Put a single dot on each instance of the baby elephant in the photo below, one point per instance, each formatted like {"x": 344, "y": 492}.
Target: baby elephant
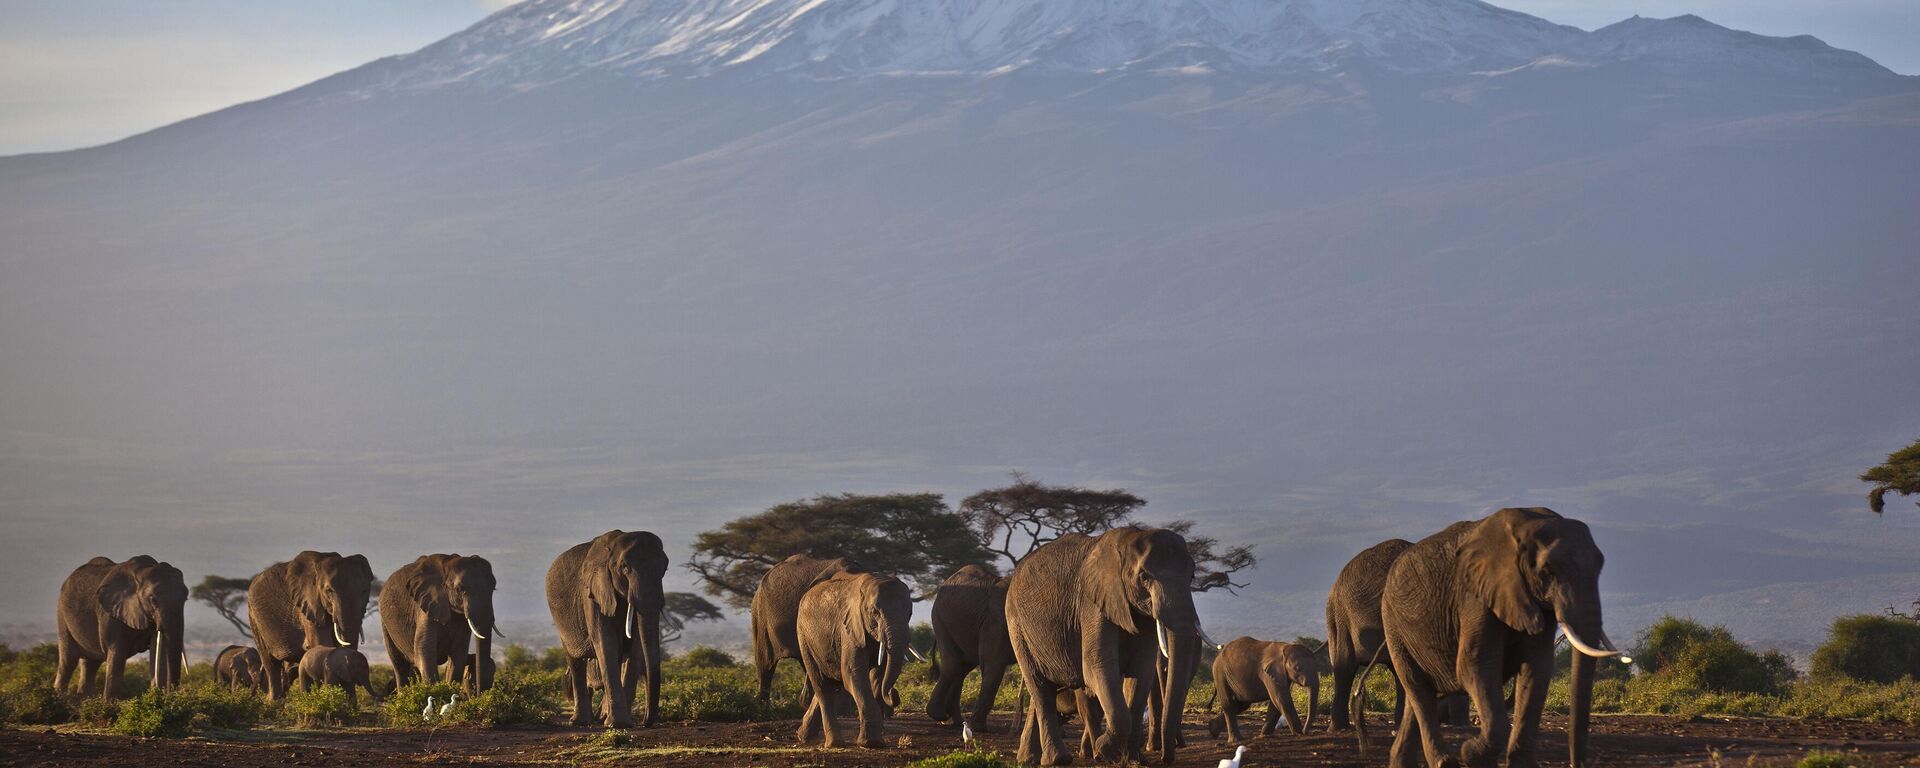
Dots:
{"x": 238, "y": 667}
{"x": 853, "y": 637}
{"x": 1250, "y": 671}
{"x": 344, "y": 667}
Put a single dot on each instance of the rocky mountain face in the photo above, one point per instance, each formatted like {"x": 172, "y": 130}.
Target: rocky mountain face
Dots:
{"x": 1315, "y": 273}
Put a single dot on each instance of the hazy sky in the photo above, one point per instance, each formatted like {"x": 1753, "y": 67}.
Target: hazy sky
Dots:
{"x": 81, "y": 72}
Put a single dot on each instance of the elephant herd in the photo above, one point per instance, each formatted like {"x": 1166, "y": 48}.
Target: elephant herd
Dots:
{"x": 1101, "y": 626}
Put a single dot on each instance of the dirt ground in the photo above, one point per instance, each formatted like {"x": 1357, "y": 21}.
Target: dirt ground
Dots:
{"x": 1618, "y": 742}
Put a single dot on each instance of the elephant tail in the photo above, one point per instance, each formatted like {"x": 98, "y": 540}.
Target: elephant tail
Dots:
{"x": 1213, "y": 693}
{"x": 1360, "y": 700}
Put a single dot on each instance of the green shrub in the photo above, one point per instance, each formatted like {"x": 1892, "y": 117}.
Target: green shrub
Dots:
{"x": 516, "y": 698}
{"x": 720, "y": 694}
{"x": 403, "y": 707}
{"x": 1822, "y": 759}
{"x": 611, "y": 738}
{"x": 321, "y": 706}
{"x": 96, "y": 712}
{"x": 1723, "y": 665}
{"x": 153, "y": 714}
{"x": 174, "y": 712}
{"x": 1879, "y": 649}
{"x": 33, "y": 705}
{"x": 704, "y": 656}
{"x": 963, "y": 759}
{"x": 1662, "y": 642}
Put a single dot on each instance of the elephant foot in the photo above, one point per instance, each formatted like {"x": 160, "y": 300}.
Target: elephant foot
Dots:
{"x": 582, "y": 721}
{"x": 1478, "y": 753}
{"x": 1107, "y": 748}
{"x": 867, "y": 742}
{"x": 1522, "y": 759}
{"x": 1213, "y": 728}
{"x": 1057, "y": 758}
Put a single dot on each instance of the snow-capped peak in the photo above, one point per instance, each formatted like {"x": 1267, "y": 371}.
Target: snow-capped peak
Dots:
{"x": 540, "y": 41}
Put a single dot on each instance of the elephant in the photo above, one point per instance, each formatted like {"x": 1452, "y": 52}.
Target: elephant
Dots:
{"x": 853, "y": 636}
{"x": 428, "y": 608}
{"x": 1475, "y": 605}
{"x": 969, "y": 631}
{"x": 109, "y": 611}
{"x": 344, "y": 667}
{"x": 776, "y": 610}
{"x": 238, "y": 667}
{"x": 1250, "y": 671}
{"x": 316, "y": 599}
{"x": 1353, "y": 625}
{"x": 606, "y": 598}
{"x": 1089, "y": 612}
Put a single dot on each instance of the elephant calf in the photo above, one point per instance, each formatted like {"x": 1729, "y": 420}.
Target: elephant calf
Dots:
{"x": 238, "y": 667}
{"x": 1250, "y": 671}
{"x": 853, "y": 636}
{"x": 344, "y": 667}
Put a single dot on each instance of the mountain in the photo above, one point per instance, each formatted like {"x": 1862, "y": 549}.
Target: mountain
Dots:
{"x": 1314, "y": 274}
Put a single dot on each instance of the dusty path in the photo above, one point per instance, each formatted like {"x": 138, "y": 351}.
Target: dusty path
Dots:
{"x": 1618, "y": 741}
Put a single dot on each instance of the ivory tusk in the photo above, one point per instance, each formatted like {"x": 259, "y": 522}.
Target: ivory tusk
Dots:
{"x": 1605, "y": 649}
{"x": 340, "y": 638}
{"x": 916, "y": 654}
{"x": 629, "y": 622}
{"x": 1160, "y": 635}
{"x": 476, "y": 630}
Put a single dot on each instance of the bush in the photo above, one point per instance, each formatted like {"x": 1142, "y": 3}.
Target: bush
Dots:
{"x": 97, "y": 712}
{"x": 1822, "y": 759}
{"x": 721, "y": 694}
{"x": 173, "y": 713}
{"x": 33, "y": 705}
{"x": 1879, "y": 649}
{"x": 323, "y": 705}
{"x": 403, "y": 707}
{"x": 1662, "y": 642}
{"x": 520, "y": 657}
{"x": 704, "y": 656}
{"x": 963, "y": 759}
{"x": 516, "y": 698}
{"x": 1723, "y": 665}
{"x": 151, "y": 714}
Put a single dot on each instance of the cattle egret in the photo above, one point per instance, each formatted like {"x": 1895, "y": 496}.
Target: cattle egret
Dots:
{"x": 966, "y": 733}
{"x": 448, "y": 707}
{"x": 426, "y": 712}
{"x": 1238, "y": 753}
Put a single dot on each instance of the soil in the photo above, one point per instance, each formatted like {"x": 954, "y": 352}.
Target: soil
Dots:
{"x": 1618, "y": 741}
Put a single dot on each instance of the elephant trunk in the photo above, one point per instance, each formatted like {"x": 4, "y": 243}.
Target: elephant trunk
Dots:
{"x": 1581, "y": 705}
{"x": 1313, "y": 700}
{"x": 480, "y": 624}
{"x": 1182, "y": 660}
{"x": 1579, "y": 614}
{"x": 893, "y": 652}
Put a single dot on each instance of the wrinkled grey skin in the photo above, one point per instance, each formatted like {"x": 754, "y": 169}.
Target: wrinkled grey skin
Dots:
{"x": 969, "y": 619}
{"x": 1354, "y": 635}
{"x": 606, "y": 597}
{"x": 110, "y": 611}
{"x": 1250, "y": 671}
{"x": 1475, "y": 605}
{"x": 853, "y": 637}
{"x": 429, "y": 609}
{"x": 1084, "y": 612}
{"x": 315, "y": 600}
{"x": 776, "y": 610}
{"x": 238, "y": 667}
{"x": 344, "y": 667}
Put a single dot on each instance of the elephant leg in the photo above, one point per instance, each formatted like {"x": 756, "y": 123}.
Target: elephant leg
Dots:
{"x": 1342, "y": 697}
{"x": 867, "y": 708}
{"x": 582, "y": 695}
{"x": 1230, "y": 717}
{"x": 89, "y": 677}
{"x": 1421, "y": 718}
{"x": 116, "y": 669}
{"x": 1090, "y": 718}
{"x": 616, "y": 702}
{"x": 1483, "y": 680}
{"x": 1279, "y": 700}
{"x": 1406, "y": 736}
{"x": 991, "y": 675}
{"x": 1029, "y": 742}
{"x": 809, "y": 723}
{"x": 69, "y": 658}
{"x": 1044, "y": 723}
{"x": 1138, "y": 694}
{"x": 1102, "y": 669}
{"x": 1530, "y": 699}
{"x": 1270, "y": 721}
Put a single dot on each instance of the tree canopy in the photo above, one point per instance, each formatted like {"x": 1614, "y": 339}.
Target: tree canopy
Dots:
{"x": 1015, "y": 520}
{"x": 1900, "y": 474}
{"x": 227, "y": 596}
{"x": 913, "y": 536}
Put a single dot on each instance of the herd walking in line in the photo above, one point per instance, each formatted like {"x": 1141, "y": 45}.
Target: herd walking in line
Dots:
{"x": 1102, "y": 627}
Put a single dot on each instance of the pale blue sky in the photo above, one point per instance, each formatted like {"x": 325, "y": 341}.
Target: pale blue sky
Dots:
{"x": 75, "y": 73}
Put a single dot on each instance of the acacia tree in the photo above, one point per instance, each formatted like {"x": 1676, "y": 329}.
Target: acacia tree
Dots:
{"x": 227, "y": 596}
{"x": 1015, "y": 520}
{"x": 913, "y": 536}
{"x": 683, "y": 608}
{"x": 1900, "y": 474}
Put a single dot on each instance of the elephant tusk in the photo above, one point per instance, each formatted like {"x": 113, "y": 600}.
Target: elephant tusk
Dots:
{"x": 916, "y": 654}
{"x": 1604, "y": 650}
{"x": 629, "y": 622}
{"x": 1208, "y": 640}
{"x": 476, "y": 630}
{"x": 340, "y": 638}
{"x": 879, "y": 654}
{"x": 1160, "y": 635}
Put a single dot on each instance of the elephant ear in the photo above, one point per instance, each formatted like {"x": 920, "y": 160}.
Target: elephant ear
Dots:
{"x": 1110, "y": 570}
{"x": 360, "y": 566}
{"x": 602, "y": 562}
{"x": 120, "y": 596}
{"x": 429, "y": 590}
{"x": 1492, "y": 559}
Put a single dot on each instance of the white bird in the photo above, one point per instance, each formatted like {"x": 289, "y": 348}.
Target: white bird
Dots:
{"x": 426, "y": 712}
{"x": 966, "y": 733}
{"x": 1235, "y": 762}
{"x": 448, "y": 707}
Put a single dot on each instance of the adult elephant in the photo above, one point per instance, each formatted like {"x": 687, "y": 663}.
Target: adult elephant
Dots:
{"x": 1092, "y": 612}
{"x": 853, "y": 634}
{"x": 238, "y": 667}
{"x": 1250, "y": 671}
{"x": 606, "y": 599}
{"x": 110, "y": 611}
{"x": 1354, "y": 634}
{"x": 969, "y": 618}
{"x": 776, "y": 610}
{"x": 1475, "y": 605}
{"x": 316, "y": 599}
{"x": 428, "y": 608}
